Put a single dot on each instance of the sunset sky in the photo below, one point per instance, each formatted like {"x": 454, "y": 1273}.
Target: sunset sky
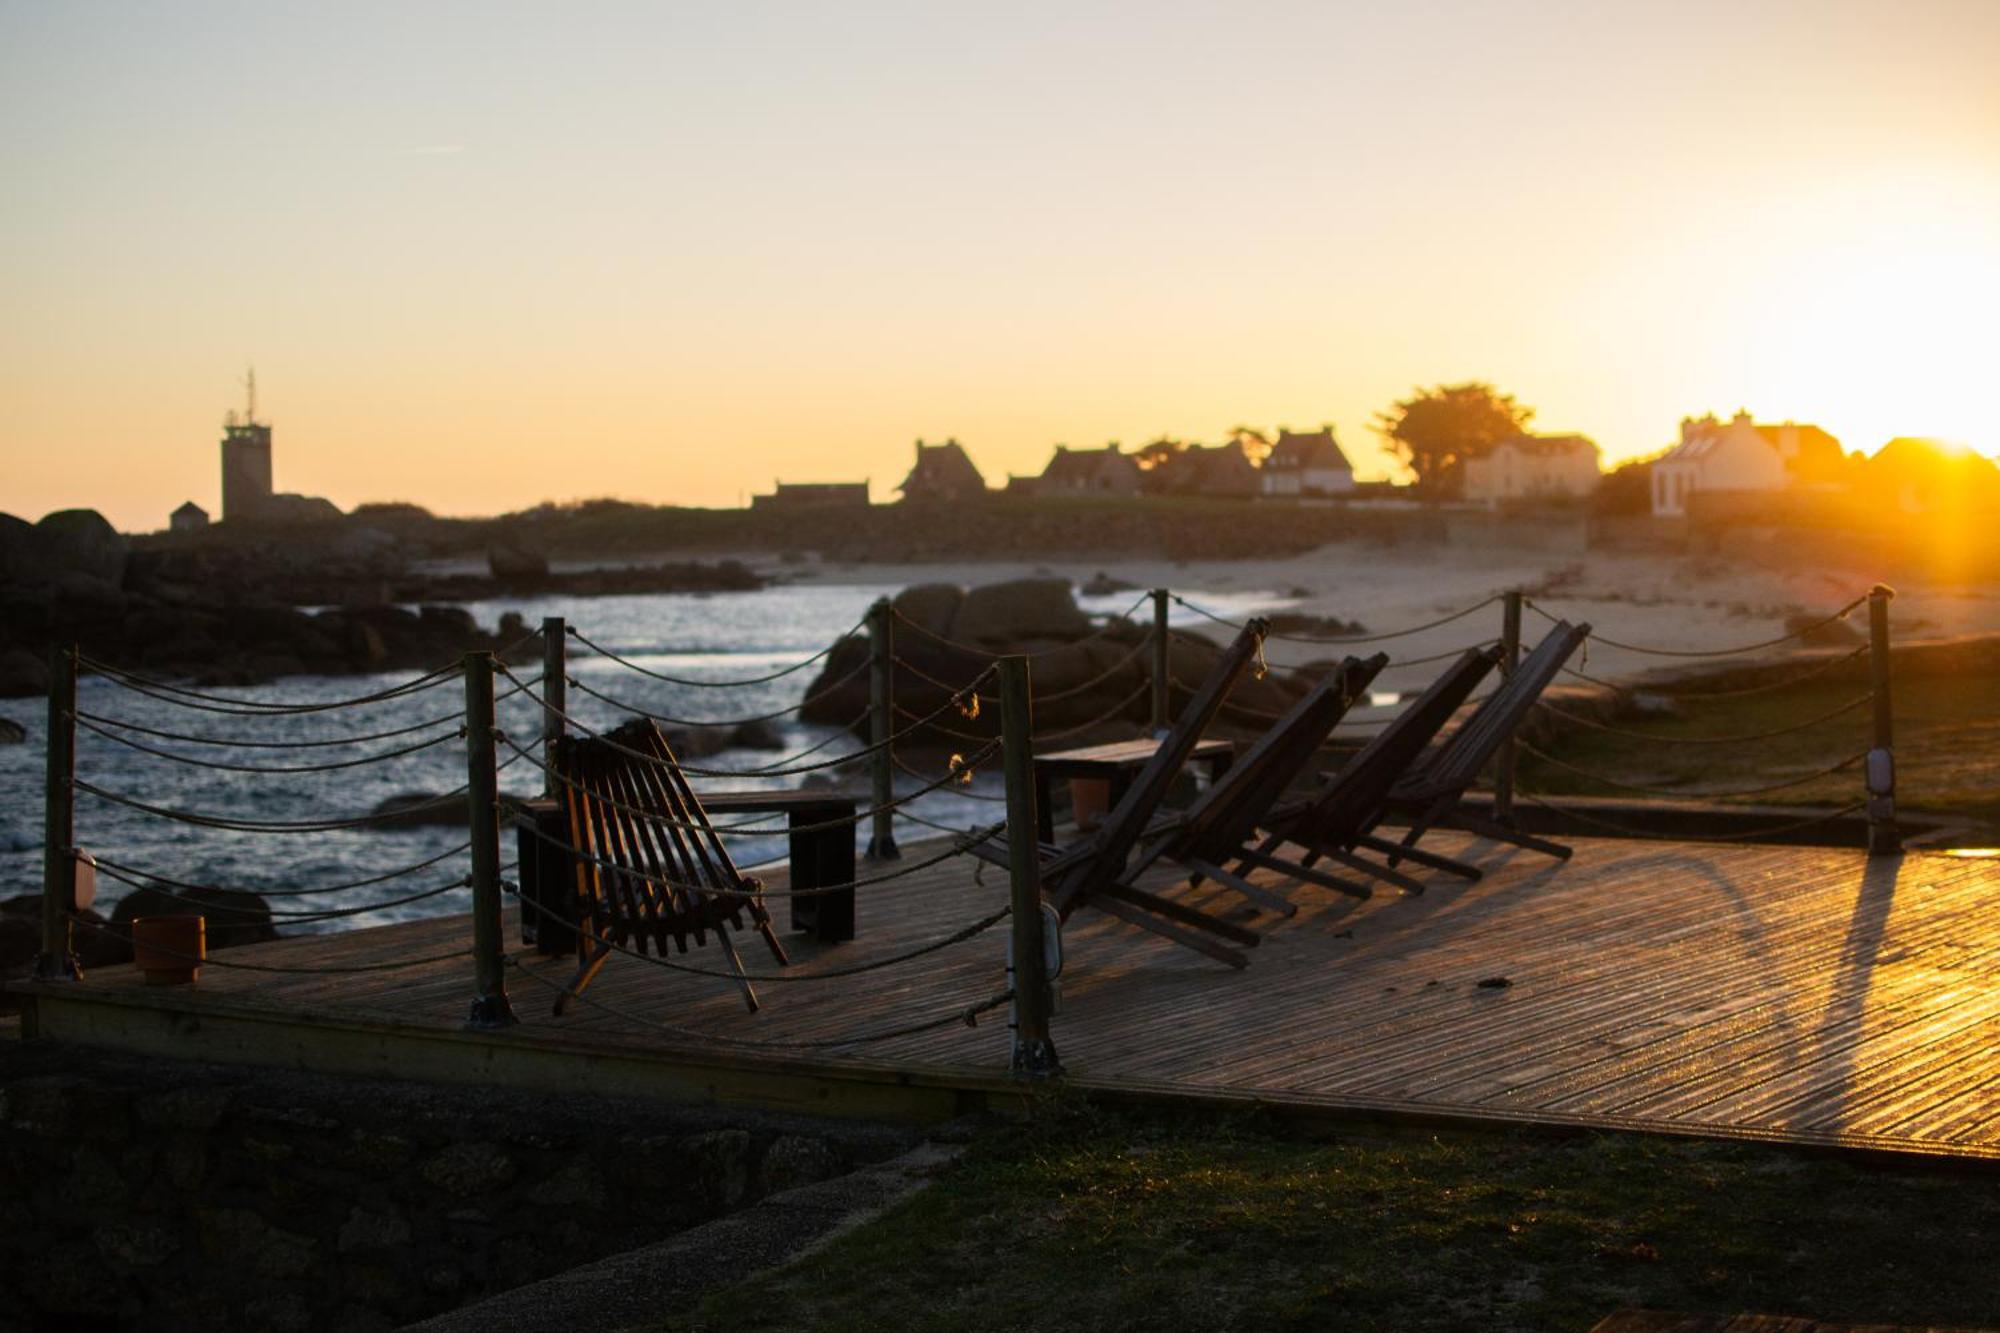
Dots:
{"x": 483, "y": 255}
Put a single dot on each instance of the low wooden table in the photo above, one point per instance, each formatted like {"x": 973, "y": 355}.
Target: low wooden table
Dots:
{"x": 819, "y": 856}
{"x": 1116, "y": 763}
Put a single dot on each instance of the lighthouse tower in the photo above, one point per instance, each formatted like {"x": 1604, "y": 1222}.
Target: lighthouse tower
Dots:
{"x": 246, "y": 461}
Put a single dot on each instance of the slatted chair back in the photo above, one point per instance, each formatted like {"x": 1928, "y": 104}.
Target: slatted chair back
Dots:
{"x": 653, "y": 869}
{"x": 1099, "y": 860}
{"x": 1228, "y": 813}
{"x": 1456, "y": 762}
{"x": 1351, "y": 800}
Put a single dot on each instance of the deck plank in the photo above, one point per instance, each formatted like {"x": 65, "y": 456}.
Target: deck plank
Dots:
{"x": 1787, "y": 991}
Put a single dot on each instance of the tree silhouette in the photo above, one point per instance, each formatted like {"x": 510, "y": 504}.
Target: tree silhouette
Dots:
{"x": 1256, "y": 445}
{"x": 1157, "y": 454}
{"x": 1435, "y": 430}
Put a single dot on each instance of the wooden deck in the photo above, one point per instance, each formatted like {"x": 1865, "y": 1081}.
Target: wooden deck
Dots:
{"x": 1806, "y": 995}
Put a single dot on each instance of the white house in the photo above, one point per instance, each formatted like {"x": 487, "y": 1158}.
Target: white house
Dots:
{"x": 1532, "y": 467}
{"x": 1714, "y": 456}
{"x": 1307, "y": 463}
{"x": 190, "y": 517}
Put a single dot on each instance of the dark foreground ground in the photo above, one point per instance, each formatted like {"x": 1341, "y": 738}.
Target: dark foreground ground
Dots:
{"x": 1085, "y": 1220}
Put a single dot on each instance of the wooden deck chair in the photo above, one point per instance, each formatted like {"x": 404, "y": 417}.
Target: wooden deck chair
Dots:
{"x": 654, "y": 869}
{"x": 1091, "y": 869}
{"x": 1437, "y": 785}
{"x": 1328, "y": 824}
{"x": 1212, "y": 831}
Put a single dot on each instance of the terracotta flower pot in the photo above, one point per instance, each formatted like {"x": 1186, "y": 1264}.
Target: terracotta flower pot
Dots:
{"x": 169, "y": 949}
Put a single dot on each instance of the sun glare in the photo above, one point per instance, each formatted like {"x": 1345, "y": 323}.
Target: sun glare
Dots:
{"x": 1889, "y": 336}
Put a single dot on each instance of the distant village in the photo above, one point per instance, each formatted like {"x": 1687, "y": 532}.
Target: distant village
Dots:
{"x": 1718, "y": 470}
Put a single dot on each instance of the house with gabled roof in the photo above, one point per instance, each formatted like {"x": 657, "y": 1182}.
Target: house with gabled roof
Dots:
{"x": 943, "y": 472}
{"x": 1716, "y": 456}
{"x": 1088, "y": 472}
{"x": 1306, "y": 463}
{"x": 1532, "y": 467}
{"x": 1215, "y": 470}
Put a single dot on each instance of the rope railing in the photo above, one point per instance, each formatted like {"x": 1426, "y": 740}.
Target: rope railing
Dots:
{"x": 369, "y": 882}
{"x": 1111, "y": 714}
{"x": 961, "y": 775}
{"x": 453, "y": 720}
{"x": 671, "y": 721}
{"x": 1653, "y": 737}
{"x": 1842, "y": 766}
{"x": 965, "y": 839}
{"x": 1736, "y": 651}
{"x": 795, "y": 667}
{"x": 200, "y": 820}
{"x": 1116, "y": 623}
{"x": 628, "y": 752}
{"x": 1403, "y": 633}
{"x": 333, "y": 766}
{"x": 1053, "y": 696}
{"x": 1681, "y": 692}
{"x": 746, "y": 830}
{"x": 241, "y": 707}
{"x": 286, "y": 914}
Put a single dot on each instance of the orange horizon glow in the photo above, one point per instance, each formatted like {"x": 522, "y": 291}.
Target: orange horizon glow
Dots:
{"x": 483, "y": 257}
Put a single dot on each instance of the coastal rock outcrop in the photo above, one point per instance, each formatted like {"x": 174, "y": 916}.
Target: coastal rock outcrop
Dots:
{"x": 1091, "y": 681}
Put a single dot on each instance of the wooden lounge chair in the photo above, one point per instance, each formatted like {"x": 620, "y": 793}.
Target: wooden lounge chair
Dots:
{"x": 1212, "y": 831}
{"x": 1436, "y": 786}
{"x": 1092, "y": 869}
{"x": 1341, "y": 815}
{"x": 653, "y": 868}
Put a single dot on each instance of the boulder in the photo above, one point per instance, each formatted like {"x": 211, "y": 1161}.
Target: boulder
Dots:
{"x": 757, "y": 736}
{"x": 1001, "y": 613}
{"x": 930, "y": 606}
{"x": 22, "y": 674}
{"x": 20, "y": 548}
{"x": 80, "y": 541}
{"x": 512, "y": 560}
{"x": 12, "y": 732}
{"x": 1103, "y": 585}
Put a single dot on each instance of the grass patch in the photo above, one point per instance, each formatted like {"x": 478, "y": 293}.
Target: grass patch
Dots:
{"x": 1084, "y": 1220}
{"x": 1947, "y": 747}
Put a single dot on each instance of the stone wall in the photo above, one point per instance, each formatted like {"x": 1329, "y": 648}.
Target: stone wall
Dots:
{"x": 163, "y": 1196}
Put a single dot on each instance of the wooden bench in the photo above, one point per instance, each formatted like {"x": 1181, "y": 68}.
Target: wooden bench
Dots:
{"x": 1116, "y": 763}
{"x": 819, "y": 856}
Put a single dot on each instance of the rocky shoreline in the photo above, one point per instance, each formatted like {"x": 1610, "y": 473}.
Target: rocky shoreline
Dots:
{"x": 234, "y": 610}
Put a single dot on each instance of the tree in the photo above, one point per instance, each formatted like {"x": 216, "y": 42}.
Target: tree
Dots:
{"x": 1256, "y": 445}
{"x": 1435, "y": 430}
{"x": 1157, "y": 454}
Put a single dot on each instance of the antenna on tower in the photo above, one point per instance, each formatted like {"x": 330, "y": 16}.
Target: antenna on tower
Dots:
{"x": 250, "y": 385}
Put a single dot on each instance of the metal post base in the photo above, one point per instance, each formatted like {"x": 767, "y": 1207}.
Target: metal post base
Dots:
{"x": 57, "y": 967}
{"x": 1036, "y": 1059}
{"x": 882, "y": 847}
{"x": 490, "y": 1013}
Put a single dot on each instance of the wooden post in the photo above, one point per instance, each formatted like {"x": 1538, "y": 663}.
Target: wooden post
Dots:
{"x": 57, "y": 959}
{"x": 1161, "y": 642}
{"x": 1510, "y": 658}
{"x": 555, "y": 693}
{"x": 881, "y": 726}
{"x": 1034, "y": 1052}
{"x": 490, "y": 1009}
{"x": 1880, "y": 767}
